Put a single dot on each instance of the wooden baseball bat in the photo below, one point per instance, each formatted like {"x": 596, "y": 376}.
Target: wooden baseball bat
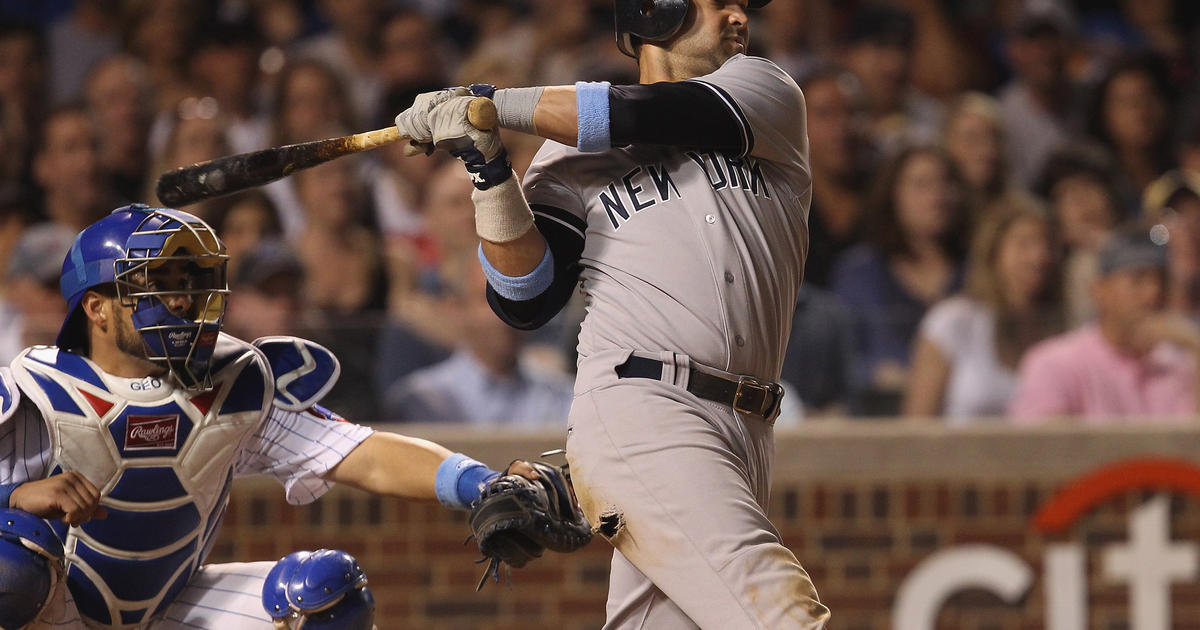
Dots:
{"x": 230, "y": 174}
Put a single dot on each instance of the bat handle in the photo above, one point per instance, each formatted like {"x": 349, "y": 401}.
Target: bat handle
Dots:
{"x": 481, "y": 113}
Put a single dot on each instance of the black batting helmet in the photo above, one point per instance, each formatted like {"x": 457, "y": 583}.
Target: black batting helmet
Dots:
{"x": 653, "y": 20}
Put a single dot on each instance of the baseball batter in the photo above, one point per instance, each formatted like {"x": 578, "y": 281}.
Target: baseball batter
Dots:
{"x": 127, "y": 436}
{"x": 680, "y": 205}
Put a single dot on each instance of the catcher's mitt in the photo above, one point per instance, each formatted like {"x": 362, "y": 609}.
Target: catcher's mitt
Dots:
{"x": 516, "y": 519}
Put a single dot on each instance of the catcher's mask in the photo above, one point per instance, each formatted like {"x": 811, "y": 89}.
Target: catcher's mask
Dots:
{"x": 169, "y": 268}
{"x": 653, "y": 20}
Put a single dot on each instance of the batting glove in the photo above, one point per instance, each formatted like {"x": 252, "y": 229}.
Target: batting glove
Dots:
{"x": 413, "y": 123}
{"x": 481, "y": 150}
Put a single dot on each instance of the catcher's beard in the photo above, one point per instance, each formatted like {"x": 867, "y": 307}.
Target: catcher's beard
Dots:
{"x": 131, "y": 343}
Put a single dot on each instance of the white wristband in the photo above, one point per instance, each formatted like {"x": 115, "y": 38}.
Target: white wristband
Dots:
{"x": 501, "y": 212}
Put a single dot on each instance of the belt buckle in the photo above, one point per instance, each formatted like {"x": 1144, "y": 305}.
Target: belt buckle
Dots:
{"x": 767, "y": 405}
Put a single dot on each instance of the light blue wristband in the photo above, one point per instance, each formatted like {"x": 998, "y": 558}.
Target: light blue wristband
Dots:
{"x": 460, "y": 480}
{"x": 524, "y": 287}
{"x": 591, "y": 101}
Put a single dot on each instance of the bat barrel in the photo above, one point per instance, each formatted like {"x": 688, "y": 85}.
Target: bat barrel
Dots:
{"x": 225, "y": 175}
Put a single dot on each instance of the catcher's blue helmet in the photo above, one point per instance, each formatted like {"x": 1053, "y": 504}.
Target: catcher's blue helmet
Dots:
{"x": 319, "y": 590}
{"x": 652, "y": 20}
{"x": 30, "y": 566}
{"x": 135, "y": 248}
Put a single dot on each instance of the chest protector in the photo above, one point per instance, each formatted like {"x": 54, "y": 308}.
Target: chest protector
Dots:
{"x": 163, "y": 459}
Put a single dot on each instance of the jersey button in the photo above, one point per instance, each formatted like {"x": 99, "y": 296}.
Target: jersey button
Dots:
{"x": 710, "y": 218}
{"x": 729, "y": 277}
{"x": 739, "y": 341}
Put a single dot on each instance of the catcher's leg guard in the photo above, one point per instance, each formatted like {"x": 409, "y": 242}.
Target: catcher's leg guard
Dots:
{"x": 319, "y": 590}
{"x": 30, "y": 566}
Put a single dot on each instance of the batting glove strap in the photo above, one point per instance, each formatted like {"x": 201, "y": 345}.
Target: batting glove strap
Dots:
{"x": 483, "y": 89}
{"x": 485, "y": 174}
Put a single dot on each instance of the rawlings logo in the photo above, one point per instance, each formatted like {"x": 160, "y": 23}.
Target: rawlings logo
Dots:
{"x": 151, "y": 432}
{"x": 180, "y": 338}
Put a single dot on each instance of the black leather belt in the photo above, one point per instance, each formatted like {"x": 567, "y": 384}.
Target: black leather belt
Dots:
{"x": 745, "y": 393}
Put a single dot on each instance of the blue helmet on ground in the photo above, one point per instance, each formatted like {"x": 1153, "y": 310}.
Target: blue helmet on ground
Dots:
{"x": 30, "y": 566}
{"x": 166, "y": 265}
{"x": 319, "y": 590}
{"x": 652, "y": 20}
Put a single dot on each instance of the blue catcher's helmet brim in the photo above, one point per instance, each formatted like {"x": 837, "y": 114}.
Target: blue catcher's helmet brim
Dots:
{"x": 72, "y": 335}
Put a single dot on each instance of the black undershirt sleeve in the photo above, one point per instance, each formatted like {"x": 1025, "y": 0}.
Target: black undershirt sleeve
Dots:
{"x": 686, "y": 114}
{"x": 563, "y": 232}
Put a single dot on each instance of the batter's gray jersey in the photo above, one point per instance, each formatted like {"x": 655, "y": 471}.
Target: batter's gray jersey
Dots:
{"x": 687, "y": 257}
{"x": 692, "y": 251}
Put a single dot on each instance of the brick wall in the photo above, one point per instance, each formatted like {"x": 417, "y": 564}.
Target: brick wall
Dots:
{"x": 860, "y": 504}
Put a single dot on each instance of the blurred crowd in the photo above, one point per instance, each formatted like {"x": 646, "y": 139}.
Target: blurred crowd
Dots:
{"x": 1005, "y": 217}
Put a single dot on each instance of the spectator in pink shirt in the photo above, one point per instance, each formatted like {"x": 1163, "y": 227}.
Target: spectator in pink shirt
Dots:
{"x": 1136, "y": 362}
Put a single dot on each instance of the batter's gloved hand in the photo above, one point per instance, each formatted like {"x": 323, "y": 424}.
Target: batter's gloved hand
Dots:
{"x": 516, "y": 519}
{"x": 413, "y": 123}
{"x": 480, "y": 149}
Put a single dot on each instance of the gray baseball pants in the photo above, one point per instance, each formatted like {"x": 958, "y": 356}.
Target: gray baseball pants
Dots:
{"x": 680, "y": 486}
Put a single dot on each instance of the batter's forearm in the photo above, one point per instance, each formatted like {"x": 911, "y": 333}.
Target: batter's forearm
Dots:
{"x": 505, "y": 226}
{"x": 518, "y": 257}
{"x": 557, "y": 116}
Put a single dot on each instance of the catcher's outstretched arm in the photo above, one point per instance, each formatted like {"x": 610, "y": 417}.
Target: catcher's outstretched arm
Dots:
{"x": 415, "y": 469}
{"x": 392, "y": 465}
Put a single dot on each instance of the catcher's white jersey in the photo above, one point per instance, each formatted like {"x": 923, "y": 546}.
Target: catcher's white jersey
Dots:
{"x": 163, "y": 459}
